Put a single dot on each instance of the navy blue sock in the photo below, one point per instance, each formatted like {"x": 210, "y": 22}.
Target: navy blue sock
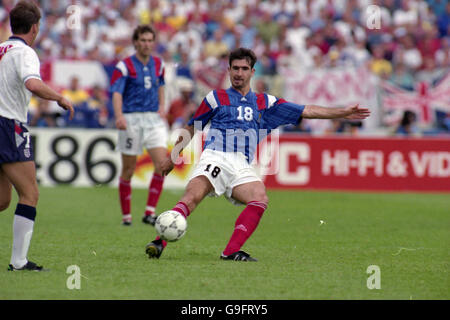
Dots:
{"x": 26, "y": 211}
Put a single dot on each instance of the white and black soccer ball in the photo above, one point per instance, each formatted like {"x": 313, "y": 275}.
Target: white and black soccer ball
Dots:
{"x": 171, "y": 225}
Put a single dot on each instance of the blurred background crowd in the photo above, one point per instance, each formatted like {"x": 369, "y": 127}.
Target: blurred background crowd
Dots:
{"x": 411, "y": 44}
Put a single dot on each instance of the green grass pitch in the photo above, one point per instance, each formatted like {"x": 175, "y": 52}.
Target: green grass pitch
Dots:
{"x": 406, "y": 235}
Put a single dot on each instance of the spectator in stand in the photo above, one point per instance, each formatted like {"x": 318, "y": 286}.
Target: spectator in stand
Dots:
{"x": 74, "y": 93}
{"x": 43, "y": 115}
{"x": 429, "y": 43}
{"x": 406, "y": 16}
{"x": 442, "y": 56}
{"x": 106, "y": 48}
{"x": 216, "y": 47}
{"x": 152, "y": 14}
{"x": 443, "y": 21}
{"x": 97, "y": 101}
{"x": 188, "y": 40}
{"x": 267, "y": 27}
{"x": 5, "y": 30}
{"x": 379, "y": 65}
{"x": 297, "y": 34}
{"x": 288, "y": 61}
{"x": 184, "y": 68}
{"x": 181, "y": 109}
{"x": 260, "y": 85}
{"x": 247, "y": 30}
{"x": 408, "y": 52}
{"x": 437, "y": 6}
{"x": 402, "y": 77}
{"x": 407, "y": 125}
{"x": 173, "y": 17}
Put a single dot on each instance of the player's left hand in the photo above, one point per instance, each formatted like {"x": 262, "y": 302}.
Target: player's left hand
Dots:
{"x": 167, "y": 166}
{"x": 355, "y": 112}
{"x": 66, "y": 105}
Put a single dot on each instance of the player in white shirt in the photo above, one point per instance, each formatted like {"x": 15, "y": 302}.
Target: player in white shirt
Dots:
{"x": 19, "y": 78}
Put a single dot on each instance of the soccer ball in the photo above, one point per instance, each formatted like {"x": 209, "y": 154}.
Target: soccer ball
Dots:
{"x": 171, "y": 225}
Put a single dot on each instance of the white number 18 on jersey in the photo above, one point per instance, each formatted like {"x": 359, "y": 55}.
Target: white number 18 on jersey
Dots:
{"x": 246, "y": 115}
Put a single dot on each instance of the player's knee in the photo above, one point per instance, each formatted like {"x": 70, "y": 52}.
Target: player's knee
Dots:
{"x": 128, "y": 171}
{"x": 158, "y": 167}
{"x": 261, "y": 196}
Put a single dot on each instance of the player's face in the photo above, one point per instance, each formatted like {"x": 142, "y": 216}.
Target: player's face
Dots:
{"x": 240, "y": 73}
{"x": 144, "y": 44}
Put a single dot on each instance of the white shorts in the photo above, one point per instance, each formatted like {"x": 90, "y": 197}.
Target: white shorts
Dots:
{"x": 225, "y": 170}
{"x": 144, "y": 130}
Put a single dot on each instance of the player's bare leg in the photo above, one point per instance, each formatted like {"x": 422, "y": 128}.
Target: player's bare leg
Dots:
{"x": 5, "y": 191}
{"x": 196, "y": 190}
{"x": 254, "y": 195}
{"x": 128, "y": 167}
{"x": 158, "y": 155}
{"x": 22, "y": 176}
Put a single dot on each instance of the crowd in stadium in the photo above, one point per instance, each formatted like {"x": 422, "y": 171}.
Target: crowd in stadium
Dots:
{"x": 411, "y": 44}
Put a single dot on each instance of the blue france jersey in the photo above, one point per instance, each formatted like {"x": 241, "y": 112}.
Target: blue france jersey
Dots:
{"x": 238, "y": 122}
{"x": 138, "y": 83}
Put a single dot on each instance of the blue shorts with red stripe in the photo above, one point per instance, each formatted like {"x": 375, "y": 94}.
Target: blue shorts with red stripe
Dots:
{"x": 15, "y": 142}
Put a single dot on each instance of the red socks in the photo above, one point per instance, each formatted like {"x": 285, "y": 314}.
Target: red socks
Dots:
{"x": 154, "y": 191}
{"x": 125, "y": 197}
{"x": 245, "y": 224}
{"x": 182, "y": 208}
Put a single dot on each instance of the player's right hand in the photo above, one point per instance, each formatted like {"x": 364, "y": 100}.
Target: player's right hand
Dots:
{"x": 121, "y": 123}
{"x": 66, "y": 105}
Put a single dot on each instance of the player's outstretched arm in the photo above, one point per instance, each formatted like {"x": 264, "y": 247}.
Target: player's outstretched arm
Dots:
{"x": 40, "y": 89}
{"x": 353, "y": 112}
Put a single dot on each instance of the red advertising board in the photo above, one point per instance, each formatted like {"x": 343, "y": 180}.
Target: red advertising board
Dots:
{"x": 349, "y": 163}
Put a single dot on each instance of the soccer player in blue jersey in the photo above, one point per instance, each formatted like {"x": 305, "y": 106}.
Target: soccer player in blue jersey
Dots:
{"x": 19, "y": 78}
{"x": 236, "y": 115}
{"x": 138, "y": 100}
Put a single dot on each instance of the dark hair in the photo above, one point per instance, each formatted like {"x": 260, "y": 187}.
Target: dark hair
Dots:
{"x": 143, "y": 29}
{"x": 23, "y": 16}
{"x": 408, "y": 118}
{"x": 243, "y": 53}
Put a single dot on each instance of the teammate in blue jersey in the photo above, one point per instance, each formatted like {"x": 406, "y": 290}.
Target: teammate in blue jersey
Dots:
{"x": 138, "y": 100}
{"x": 237, "y": 115}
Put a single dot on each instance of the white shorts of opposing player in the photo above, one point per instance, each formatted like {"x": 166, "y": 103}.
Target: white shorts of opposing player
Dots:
{"x": 225, "y": 170}
{"x": 144, "y": 130}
